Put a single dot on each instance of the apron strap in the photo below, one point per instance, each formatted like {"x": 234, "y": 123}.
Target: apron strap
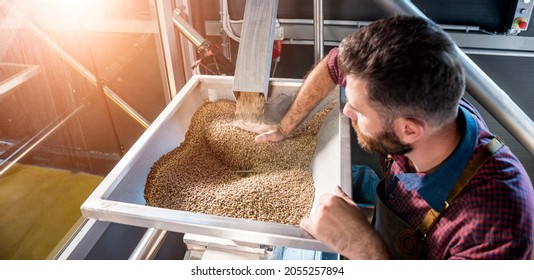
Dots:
{"x": 432, "y": 216}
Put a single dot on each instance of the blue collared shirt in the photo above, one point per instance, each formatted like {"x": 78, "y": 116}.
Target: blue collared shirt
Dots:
{"x": 436, "y": 186}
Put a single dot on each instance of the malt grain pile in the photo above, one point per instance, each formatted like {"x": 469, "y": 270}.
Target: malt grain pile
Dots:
{"x": 220, "y": 170}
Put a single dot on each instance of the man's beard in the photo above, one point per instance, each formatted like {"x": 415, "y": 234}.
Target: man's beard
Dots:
{"x": 386, "y": 142}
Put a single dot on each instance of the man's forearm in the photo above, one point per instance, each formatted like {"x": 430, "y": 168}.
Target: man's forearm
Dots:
{"x": 316, "y": 86}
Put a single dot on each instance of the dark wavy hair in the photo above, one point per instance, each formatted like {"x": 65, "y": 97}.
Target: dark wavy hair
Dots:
{"x": 410, "y": 65}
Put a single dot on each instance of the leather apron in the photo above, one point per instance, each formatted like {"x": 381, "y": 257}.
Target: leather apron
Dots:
{"x": 405, "y": 242}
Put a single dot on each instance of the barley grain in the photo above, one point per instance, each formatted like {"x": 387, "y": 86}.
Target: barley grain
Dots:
{"x": 220, "y": 170}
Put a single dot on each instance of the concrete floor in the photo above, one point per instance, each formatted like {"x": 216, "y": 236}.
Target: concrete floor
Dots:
{"x": 40, "y": 207}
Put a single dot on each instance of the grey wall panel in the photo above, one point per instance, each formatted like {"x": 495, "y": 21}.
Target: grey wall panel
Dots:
{"x": 515, "y": 76}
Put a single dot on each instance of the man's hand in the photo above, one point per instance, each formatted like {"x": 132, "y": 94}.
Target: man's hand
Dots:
{"x": 341, "y": 225}
{"x": 266, "y": 132}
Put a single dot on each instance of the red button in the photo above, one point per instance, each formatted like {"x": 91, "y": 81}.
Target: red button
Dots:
{"x": 521, "y": 23}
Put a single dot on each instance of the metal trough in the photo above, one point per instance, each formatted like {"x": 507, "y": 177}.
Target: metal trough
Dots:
{"x": 119, "y": 198}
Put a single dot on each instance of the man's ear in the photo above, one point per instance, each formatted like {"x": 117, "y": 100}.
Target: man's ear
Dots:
{"x": 409, "y": 130}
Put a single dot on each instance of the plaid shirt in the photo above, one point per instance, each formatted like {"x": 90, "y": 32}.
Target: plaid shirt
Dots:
{"x": 493, "y": 216}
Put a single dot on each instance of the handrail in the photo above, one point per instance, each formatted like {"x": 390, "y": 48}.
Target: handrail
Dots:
{"x": 35, "y": 140}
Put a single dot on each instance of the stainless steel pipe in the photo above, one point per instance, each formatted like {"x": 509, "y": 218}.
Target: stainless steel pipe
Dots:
{"x": 149, "y": 245}
{"x": 318, "y": 27}
{"x": 187, "y": 29}
{"x": 479, "y": 85}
